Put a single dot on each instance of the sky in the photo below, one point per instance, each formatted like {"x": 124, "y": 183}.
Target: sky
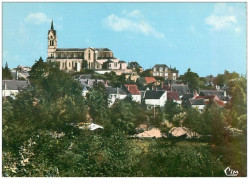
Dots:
{"x": 206, "y": 37}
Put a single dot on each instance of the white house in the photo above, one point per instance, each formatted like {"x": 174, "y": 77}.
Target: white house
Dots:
{"x": 155, "y": 98}
{"x": 198, "y": 104}
{"x": 115, "y": 93}
{"x": 134, "y": 92}
{"x": 12, "y": 87}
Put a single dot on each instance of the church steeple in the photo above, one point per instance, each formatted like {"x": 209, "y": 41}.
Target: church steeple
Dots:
{"x": 52, "y": 25}
{"x": 52, "y": 41}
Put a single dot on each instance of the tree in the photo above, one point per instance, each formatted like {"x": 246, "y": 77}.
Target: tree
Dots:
{"x": 237, "y": 107}
{"x": 6, "y": 73}
{"x": 126, "y": 115}
{"x": 97, "y": 101}
{"x": 146, "y": 73}
{"x": 192, "y": 79}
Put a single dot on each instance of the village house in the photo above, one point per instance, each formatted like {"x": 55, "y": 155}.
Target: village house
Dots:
{"x": 10, "y": 88}
{"x": 133, "y": 92}
{"x": 162, "y": 70}
{"x": 198, "y": 104}
{"x": 221, "y": 94}
{"x": 133, "y": 76}
{"x": 173, "y": 96}
{"x": 87, "y": 84}
{"x": 135, "y": 66}
{"x": 155, "y": 98}
{"x": 114, "y": 94}
{"x": 181, "y": 89}
{"x": 146, "y": 80}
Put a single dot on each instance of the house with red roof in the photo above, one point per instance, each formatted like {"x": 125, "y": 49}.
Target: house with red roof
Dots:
{"x": 133, "y": 92}
{"x": 173, "y": 96}
{"x": 146, "y": 80}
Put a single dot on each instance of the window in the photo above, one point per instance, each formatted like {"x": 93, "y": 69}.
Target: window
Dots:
{"x": 166, "y": 74}
{"x": 161, "y": 69}
{"x": 110, "y": 65}
{"x": 174, "y": 74}
{"x": 154, "y": 69}
{"x": 115, "y": 64}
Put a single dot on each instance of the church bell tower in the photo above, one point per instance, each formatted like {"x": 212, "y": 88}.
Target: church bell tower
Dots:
{"x": 52, "y": 42}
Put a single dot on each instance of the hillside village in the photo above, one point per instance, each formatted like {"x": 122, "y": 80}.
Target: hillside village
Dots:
{"x": 52, "y": 105}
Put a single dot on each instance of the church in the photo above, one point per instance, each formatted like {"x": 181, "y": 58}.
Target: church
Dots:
{"x": 76, "y": 59}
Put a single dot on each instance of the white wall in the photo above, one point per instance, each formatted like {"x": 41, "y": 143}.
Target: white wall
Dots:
{"x": 7, "y": 93}
{"x": 136, "y": 98}
{"x": 112, "y": 98}
{"x": 199, "y": 107}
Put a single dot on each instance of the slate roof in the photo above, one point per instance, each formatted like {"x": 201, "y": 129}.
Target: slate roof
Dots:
{"x": 153, "y": 94}
{"x": 160, "y": 65}
{"x": 173, "y": 95}
{"x": 102, "y": 49}
{"x": 111, "y": 90}
{"x": 133, "y": 65}
{"x": 211, "y": 92}
{"x": 14, "y": 85}
{"x": 186, "y": 96}
{"x": 180, "y": 89}
{"x": 197, "y": 101}
{"x": 121, "y": 61}
{"x": 89, "y": 82}
{"x": 133, "y": 90}
{"x": 82, "y": 49}
{"x": 70, "y": 49}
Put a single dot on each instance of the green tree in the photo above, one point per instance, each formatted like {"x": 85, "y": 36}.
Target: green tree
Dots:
{"x": 97, "y": 101}
{"x": 6, "y": 73}
{"x": 146, "y": 73}
{"x": 192, "y": 79}
{"x": 237, "y": 107}
{"x": 126, "y": 115}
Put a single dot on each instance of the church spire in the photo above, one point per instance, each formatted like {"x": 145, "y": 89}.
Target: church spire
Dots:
{"x": 52, "y": 25}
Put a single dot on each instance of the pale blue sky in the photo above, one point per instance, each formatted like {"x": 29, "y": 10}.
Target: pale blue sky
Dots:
{"x": 207, "y": 37}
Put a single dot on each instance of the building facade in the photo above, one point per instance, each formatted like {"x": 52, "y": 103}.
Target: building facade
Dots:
{"x": 75, "y": 59}
{"x": 162, "y": 70}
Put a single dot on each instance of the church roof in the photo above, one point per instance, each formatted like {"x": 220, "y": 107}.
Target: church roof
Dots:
{"x": 70, "y": 49}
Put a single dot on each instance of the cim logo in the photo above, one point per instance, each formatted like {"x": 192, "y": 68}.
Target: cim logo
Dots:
{"x": 230, "y": 172}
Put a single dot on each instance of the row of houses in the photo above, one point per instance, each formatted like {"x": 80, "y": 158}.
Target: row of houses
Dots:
{"x": 177, "y": 93}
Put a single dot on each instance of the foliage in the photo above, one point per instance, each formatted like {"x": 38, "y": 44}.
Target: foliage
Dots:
{"x": 146, "y": 73}
{"x": 126, "y": 115}
{"x": 237, "y": 107}
{"x": 181, "y": 160}
{"x": 97, "y": 101}
{"x": 171, "y": 109}
{"x": 223, "y": 79}
{"x": 6, "y": 73}
{"x": 192, "y": 79}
